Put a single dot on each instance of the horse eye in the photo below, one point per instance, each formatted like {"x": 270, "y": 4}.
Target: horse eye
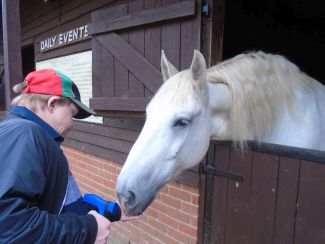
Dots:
{"x": 180, "y": 123}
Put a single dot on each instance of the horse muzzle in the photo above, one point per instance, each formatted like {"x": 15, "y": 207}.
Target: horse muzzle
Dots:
{"x": 133, "y": 203}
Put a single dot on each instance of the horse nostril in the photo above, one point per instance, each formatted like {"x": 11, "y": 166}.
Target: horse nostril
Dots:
{"x": 127, "y": 199}
{"x": 130, "y": 199}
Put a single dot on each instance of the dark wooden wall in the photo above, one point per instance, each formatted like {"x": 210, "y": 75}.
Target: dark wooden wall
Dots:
{"x": 2, "y": 89}
{"x": 40, "y": 20}
{"x": 281, "y": 200}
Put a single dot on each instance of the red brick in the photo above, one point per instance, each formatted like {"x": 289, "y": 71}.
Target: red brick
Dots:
{"x": 152, "y": 240}
{"x": 90, "y": 182}
{"x": 158, "y": 225}
{"x": 109, "y": 168}
{"x": 146, "y": 228}
{"x": 105, "y": 174}
{"x": 151, "y": 212}
{"x": 167, "y": 220}
{"x": 142, "y": 241}
{"x": 110, "y": 193}
{"x": 193, "y": 221}
{"x": 192, "y": 240}
{"x": 178, "y": 215}
{"x": 106, "y": 183}
{"x": 190, "y": 209}
{"x": 91, "y": 168}
{"x": 195, "y": 200}
{"x": 165, "y": 238}
{"x": 170, "y": 201}
{"x": 190, "y": 230}
{"x": 81, "y": 171}
{"x": 159, "y": 206}
{"x": 138, "y": 232}
{"x": 85, "y": 188}
{"x": 96, "y": 163}
{"x": 180, "y": 194}
{"x": 178, "y": 235}
{"x": 114, "y": 177}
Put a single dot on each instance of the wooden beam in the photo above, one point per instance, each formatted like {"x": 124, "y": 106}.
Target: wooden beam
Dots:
{"x": 119, "y": 104}
{"x": 11, "y": 47}
{"x": 218, "y": 9}
{"x": 148, "y": 16}
{"x": 133, "y": 60}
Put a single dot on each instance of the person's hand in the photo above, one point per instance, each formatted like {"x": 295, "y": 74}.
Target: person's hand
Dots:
{"x": 103, "y": 227}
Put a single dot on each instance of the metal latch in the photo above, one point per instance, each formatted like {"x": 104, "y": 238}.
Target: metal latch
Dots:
{"x": 208, "y": 169}
{"x": 205, "y": 9}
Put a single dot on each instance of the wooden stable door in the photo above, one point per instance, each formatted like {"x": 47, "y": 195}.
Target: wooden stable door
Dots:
{"x": 280, "y": 200}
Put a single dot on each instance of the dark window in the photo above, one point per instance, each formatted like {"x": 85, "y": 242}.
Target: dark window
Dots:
{"x": 28, "y": 60}
{"x": 295, "y": 29}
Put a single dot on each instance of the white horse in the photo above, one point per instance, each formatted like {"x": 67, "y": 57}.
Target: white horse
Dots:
{"x": 253, "y": 96}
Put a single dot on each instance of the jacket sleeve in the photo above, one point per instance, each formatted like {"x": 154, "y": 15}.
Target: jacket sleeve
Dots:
{"x": 23, "y": 180}
{"x": 21, "y": 222}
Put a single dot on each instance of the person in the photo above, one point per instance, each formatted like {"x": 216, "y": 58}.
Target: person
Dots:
{"x": 40, "y": 201}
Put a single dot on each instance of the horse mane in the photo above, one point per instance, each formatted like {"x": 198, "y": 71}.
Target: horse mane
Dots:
{"x": 259, "y": 83}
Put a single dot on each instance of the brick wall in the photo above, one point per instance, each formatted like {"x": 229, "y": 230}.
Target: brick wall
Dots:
{"x": 171, "y": 218}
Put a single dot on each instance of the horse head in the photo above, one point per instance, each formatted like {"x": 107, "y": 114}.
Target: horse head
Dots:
{"x": 253, "y": 96}
{"x": 176, "y": 133}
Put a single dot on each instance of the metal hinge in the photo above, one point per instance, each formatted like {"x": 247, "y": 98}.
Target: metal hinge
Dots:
{"x": 205, "y": 9}
{"x": 208, "y": 169}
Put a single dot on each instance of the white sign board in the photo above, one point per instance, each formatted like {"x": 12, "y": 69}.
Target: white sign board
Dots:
{"x": 78, "y": 68}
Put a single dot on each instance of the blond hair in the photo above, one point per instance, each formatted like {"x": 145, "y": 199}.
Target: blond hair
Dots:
{"x": 33, "y": 101}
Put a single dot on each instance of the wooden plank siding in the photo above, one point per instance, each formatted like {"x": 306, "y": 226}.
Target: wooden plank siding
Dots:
{"x": 132, "y": 60}
{"x": 134, "y": 71}
{"x": 136, "y": 40}
{"x": 117, "y": 104}
{"x": 281, "y": 199}
{"x": 144, "y": 17}
{"x": 11, "y": 54}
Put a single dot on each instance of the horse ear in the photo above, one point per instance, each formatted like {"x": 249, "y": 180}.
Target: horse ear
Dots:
{"x": 167, "y": 69}
{"x": 198, "y": 68}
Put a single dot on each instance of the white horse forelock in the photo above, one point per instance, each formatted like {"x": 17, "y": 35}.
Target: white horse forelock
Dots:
{"x": 176, "y": 92}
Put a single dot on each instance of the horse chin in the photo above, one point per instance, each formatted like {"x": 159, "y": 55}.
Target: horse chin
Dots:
{"x": 134, "y": 210}
{"x": 134, "y": 199}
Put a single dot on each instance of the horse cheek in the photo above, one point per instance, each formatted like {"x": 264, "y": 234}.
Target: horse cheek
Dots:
{"x": 198, "y": 144}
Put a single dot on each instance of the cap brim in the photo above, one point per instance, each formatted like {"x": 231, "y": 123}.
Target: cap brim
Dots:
{"x": 84, "y": 111}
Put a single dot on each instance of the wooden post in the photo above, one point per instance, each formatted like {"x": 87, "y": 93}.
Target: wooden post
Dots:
{"x": 213, "y": 31}
{"x": 11, "y": 47}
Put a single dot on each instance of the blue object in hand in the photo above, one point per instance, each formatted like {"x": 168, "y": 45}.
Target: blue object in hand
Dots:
{"x": 110, "y": 210}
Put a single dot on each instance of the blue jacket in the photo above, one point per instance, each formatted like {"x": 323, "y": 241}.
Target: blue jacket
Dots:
{"x": 33, "y": 182}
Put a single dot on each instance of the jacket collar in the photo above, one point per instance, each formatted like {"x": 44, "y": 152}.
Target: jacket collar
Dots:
{"x": 29, "y": 115}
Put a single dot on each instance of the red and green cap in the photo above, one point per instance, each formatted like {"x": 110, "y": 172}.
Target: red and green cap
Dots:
{"x": 53, "y": 82}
